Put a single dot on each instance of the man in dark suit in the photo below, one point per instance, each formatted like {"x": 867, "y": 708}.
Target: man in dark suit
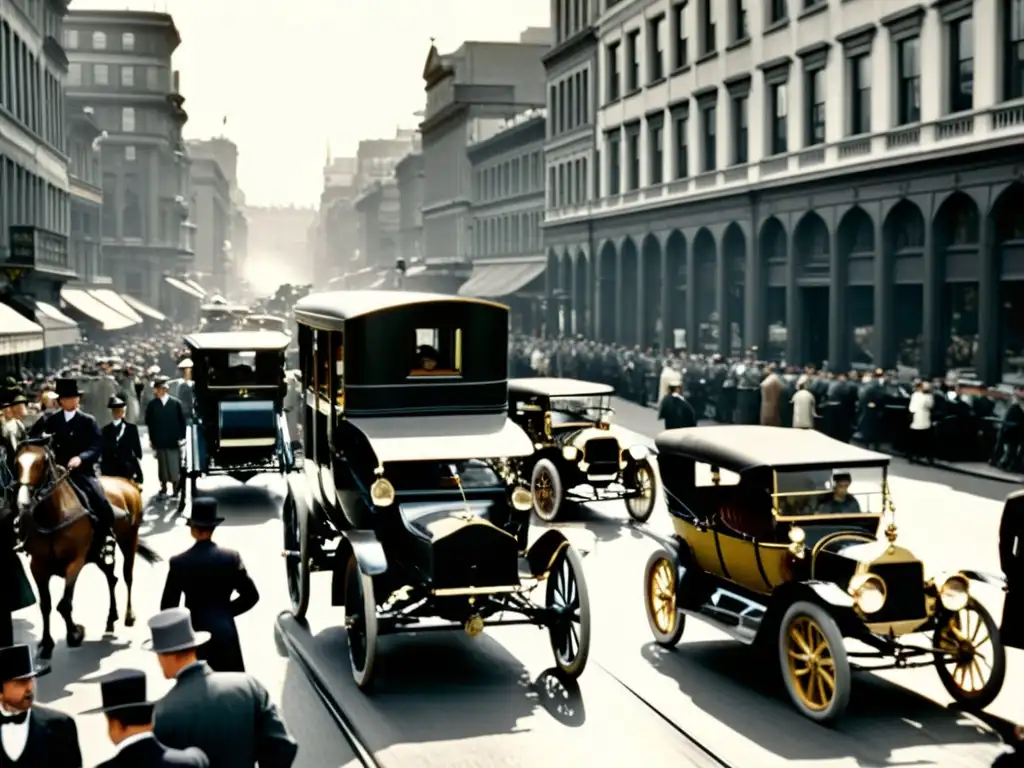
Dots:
{"x": 1011, "y": 558}
{"x": 122, "y": 449}
{"x": 674, "y": 410}
{"x": 228, "y": 715}
{"x": 130, "y": 727}
{"x": 165, "y": 418}
{"x": 208, "y": 576}
{"x": 77, "y": 445}
{"x": 30, "y": 736}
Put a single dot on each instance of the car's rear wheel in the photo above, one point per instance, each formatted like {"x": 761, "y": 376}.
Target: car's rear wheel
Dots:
{"x": 814, "y": 664}
{"x": 660, "y": 584}
{"x": 296, "y": 546}
{"x": 569, "y": 600}
{"x": 360, "y": 623}
{"x": 972, "y": 664}
{"x": 641, "y": 506}
{"x": 548, "y": 493}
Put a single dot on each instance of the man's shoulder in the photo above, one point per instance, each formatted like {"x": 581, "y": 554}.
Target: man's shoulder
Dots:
{"x": 50, "y": 716}
{"x": 191, "y": 756}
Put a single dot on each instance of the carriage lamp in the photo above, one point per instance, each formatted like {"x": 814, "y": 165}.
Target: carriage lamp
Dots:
{"x": 954, "y": 593}
{"x": 797, "y": 537}
{"x": 868, "y": 592}
{"x": 570, "y": 453}
{"x": 382, "y": 492}
{"x": 522, "y": 499}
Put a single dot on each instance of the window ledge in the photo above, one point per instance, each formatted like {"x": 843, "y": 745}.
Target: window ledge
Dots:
{"x": 709, "y": 56}
{"x": 814, "y": 10}
{"x": 631, "y": 92}
{"x": 612, "y": 102}
{"x": 680, "y": 70}
{"x": 656, "y": 82}
{"x": 737, "y": 44}
{"x": 775, "y": 26}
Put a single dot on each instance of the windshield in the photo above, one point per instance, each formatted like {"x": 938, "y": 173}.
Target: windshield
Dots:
{"x": 830, "y": 491}
{"x": 576, "y": 408}
{"x": 442, "y": 475}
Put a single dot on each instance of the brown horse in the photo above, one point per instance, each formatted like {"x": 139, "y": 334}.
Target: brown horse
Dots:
{"x": 58, "y": 536}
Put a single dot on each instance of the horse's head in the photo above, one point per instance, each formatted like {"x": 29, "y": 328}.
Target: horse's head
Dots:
{"x": 31, "y": 468}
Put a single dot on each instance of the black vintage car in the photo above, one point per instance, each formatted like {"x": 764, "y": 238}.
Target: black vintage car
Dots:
{"x": 776, "y": 542}
{"x": 578, "y": 454}
{"x": 410, "y": 496}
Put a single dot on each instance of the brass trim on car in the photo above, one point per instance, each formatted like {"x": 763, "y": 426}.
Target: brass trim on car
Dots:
{"x": 896, "y": 628}
{"x": 458, "y": 591}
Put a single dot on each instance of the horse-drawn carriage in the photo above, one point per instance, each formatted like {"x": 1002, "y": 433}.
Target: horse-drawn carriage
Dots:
{"x": 238, "y": 427}
{"x": 412, "y": 495}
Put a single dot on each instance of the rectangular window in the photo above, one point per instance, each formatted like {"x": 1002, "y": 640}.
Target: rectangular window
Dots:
{"x": 128, "y": 120}
{"x": 74, "y": 73}
{"x": 779, "y": 119}
{"x": 128, "y": 41}
{"x": 154, "y": 81}
{"x": 680, "y": 54}
{"x": 633, "y": 59}
{"x": 777, "y": 11}
{"x": 553, "y": 109}
{"x": 860, "y": 94}
{"x": 815, "y": 91}
{"x": 741, "y": 129}
{"x": 614, "y": 163}
{"x": 437, "y": 352}
{"x": 709, "y": 126}
{"x": 1013, "y": 49}
{"x": 961, "y": 65}
{"x": 655, "y": 48}
{"x": 100, "y": 74}
{"x": 562, "y": 107}
{"x": 127, "y": 77}
{"x": 129, "y": 154}
{"x": 656, "y": 143}
{"x": 682, "y": 147}
{"x": 908, "y": 53}
{"x": 739, "y": 16}
{"x": 633, "y": 158}
{"x": 614, "y": 78}
{"x": 709, "y": 41}
{"x": 70, "y": 39}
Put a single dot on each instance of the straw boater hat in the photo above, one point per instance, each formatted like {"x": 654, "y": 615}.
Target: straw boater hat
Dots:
{"x": 123, "y": 689}
{"x": 172, "y": 632}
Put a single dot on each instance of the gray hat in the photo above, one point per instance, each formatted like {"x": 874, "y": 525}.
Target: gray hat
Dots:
{"x": 172, "y": 632}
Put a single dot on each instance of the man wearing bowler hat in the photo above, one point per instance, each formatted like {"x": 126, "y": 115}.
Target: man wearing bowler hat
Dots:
{"x": 122, "y": 448}
{"x": 216, "y": 587}
{"x": 30, "y": 736}
{"x": 228, "y": 715}
{"x": 130, "y": 727}
{"x": 77, "y": 445}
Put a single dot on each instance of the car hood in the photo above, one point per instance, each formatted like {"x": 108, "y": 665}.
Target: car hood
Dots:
{"x": 859, "y": 548}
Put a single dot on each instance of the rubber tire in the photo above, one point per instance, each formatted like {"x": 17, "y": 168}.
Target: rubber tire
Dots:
{"x": 844, "y": 676}
{"x": 548, "y": 466}
{"x": 644, "y": 466}
{"x": 293, "y": 524}
{"x": 575, "y": 668}
{"x": 669, "y": 639}
{"x": 363, "y": 677}
{"x": 988, "y": 694}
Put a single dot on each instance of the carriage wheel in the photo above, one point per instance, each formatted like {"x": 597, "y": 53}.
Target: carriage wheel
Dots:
{"x": 546, "y": 485}
{"x": 815, "y": 667}
{"x": 641, "y": 506}
{"x": 296, "y": 545}
{"x": 972, "y": 665}
{"x": 567, "y": 596}
{"x": 660, "y": 597}
{"x": 360, "y": 623}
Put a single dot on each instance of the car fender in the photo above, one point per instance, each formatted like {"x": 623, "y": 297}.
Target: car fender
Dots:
{"x": 985, "y": 577}
{"x": 368, "y": 551}
{"x": 542, "y": 553}
{"x": 829, "y": 596}
{"x": 298, "y": 487}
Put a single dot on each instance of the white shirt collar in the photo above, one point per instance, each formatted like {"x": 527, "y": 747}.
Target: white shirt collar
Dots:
{"x": 14, "y": 738}
{"x": 133, "y": 740}
{"x": 164, "y": 398}
{"x": 69, "y": 415}
{"x": 117, "y": 422}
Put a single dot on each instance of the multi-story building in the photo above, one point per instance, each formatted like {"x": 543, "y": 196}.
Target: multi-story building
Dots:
{"x": 378, "y": 209}
{"x": 508, "y": 207}
{"x": 34, "y": 185}
{"x": 83, "y": 142}
{"x": 337, "y": 234}
{"x": 471, "y": 93}
{"x": 410, "y": 180}
{"x": 225, "y": 152}
{"x": 211, "y": 213}
{"x": 823, "y": 180}
{"x": 120, "y": 68}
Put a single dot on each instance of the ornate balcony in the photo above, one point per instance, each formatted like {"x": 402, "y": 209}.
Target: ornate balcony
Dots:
{"x": 38, "y": 250}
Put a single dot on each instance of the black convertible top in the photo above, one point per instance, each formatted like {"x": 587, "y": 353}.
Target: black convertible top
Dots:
{"x": 742, "y": 448}
{"x": 333, "y": 307}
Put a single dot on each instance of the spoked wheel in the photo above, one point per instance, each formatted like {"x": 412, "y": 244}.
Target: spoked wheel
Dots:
{"x": 814, "y": 664}
{"x": 972, "y": 662}
{"x": 567, "y": 596}
{"x": 296, "y": 545}
{"x": 641, "y": 506}
{"x": 360, "y": 623}
{"x": 546, "y": 485}
{"x": 663, "y": 614}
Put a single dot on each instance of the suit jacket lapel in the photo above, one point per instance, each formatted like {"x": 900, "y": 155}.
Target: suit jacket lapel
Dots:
{"x": 38, "y": 737}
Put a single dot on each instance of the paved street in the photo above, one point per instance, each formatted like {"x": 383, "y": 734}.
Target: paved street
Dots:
{"x": 449, "y": 700}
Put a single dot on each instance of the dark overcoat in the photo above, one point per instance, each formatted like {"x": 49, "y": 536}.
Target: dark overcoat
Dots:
{"x": 1011, "y": 559}
{"x": 166, "y": 422}
{"x": 52, "y": 741}
{"x": 122, "y": 451}
{"x": 150, "y": 753}
{"x": 676, "y": 412}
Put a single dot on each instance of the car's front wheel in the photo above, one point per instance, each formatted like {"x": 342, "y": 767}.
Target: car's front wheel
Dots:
{"x": 548, "y": 493}
{"x": 814, "y": 664}
{"x": 641, "y": 505}
{"x": 661, "y": 584}
{"x": 972, "y": 659}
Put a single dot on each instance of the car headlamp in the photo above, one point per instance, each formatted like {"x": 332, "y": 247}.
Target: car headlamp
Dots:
{"x": 638, "y": 452}
{"x": 382, "y": 492}
{"x": 868, "y": 592}
{"x": 570, "y": 453}
{"x": 954, "y": 593}
{"x": 522, "y": 500}
{"x": 604, "y": 421}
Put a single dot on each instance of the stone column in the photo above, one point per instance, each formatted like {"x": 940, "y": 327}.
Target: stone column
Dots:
{"x": 619, "y": 330}
{"x": 988, "y": 303}
{"x": 755, "y": 290}
{"x": 934, "y": 279}
{"x": 691, "y": 295}
{"x": 794, "y": 342}
{"x": 838, "y": 330}
{"x": 722, "y": 296}
{"x": 667, "y": 291}
{"x": 883, "y": 343}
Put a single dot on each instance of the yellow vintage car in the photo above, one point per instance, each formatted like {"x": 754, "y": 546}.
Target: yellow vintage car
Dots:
{"x": 778, "y": 539}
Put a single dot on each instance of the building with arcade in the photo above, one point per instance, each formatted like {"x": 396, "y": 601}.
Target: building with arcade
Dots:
{"x": 800, "y": 177}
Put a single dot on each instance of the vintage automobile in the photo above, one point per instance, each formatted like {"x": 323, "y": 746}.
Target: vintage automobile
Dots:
{"x": 578, "y": 455}
{"x": 219, "y": 316}
{"x": 777, "y": 542}
{"x": 238, "y": 427}
{"x": 410, "y": 495}
{"x": 259, "y": 322}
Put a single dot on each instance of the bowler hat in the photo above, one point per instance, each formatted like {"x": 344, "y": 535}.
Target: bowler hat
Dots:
{"x": 172, "y": 632}
{"x": 16, "y": 663}
{"x": 8, "y": 396}
{"x": 204, "y": 513}
{"x": 186, "y": 363}
{"x": 115, "y": 402}
{"x": 123, "y": 689}
{"x": 67, "y": 388}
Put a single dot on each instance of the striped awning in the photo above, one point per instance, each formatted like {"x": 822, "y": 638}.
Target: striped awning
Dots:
{"x": 96, "y": 310}
{"x": 59, "y": 330}
{"x": 143, "y": 308}
{"x": 184, "y": 287}
{"x": 18, "y": 334}
{"x": 116, "y": 303}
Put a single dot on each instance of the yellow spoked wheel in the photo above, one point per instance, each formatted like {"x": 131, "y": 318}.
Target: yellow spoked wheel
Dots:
{"x": 641, "y": 506}
{"x": 660, "y": 597}
{"x": 814, "y": 664}
{"x": 546, "y": 485}
{"x": 970, "y": 658}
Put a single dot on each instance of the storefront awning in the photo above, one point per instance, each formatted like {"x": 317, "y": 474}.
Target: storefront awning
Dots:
{"x": 116, "y": 303}
{"x": 184, "y": 287}
{"x": 143, "y": 308}
{"x": 58, "y": 329}
{"x": 18, "y": 334}
{"x": 96, "y": 309}
{"x": 492, "y": 281}
{"x": 195, "y": 286}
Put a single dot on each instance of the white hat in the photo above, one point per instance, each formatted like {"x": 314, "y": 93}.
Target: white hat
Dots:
{"x": 186, "y": 363}
{"x": 153, "y": 369}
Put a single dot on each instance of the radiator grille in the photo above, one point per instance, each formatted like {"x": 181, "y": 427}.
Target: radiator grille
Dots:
{"x": 601, "y": 450}
{"x": 904, "y": 592}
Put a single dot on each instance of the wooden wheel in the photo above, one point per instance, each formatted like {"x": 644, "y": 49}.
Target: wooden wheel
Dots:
{"x": 660, "y": 586}
{"x": 640, "y": 507}
{"x": 972, "y": 661}
{"x": 360, "y": 623}
{"x": 546, "y": 485}
{"x": 814, "y": 664}
{"x": 567, "y": 596}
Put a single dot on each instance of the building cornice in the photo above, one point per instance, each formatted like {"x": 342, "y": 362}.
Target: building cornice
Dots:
{"x": 532, "y": 131}
{"x": 582, "y": 40}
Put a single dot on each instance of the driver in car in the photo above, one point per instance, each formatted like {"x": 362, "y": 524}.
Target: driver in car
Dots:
{"x": 840, "y": 502}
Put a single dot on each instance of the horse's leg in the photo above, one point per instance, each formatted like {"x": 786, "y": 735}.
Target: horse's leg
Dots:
{"x": 75, "y": 632}
{"x": 108, "y": 571}
{"x": 128, "y": 546}
{"x": 41, "y": 576}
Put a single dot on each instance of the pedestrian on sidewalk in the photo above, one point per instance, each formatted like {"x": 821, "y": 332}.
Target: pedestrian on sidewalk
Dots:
{"x": 922, "y": 402}
{"x": 165, "y": 418}
{"x": 804, "y": 406}
{"x": 674, "y": 409}
{"x": 1011, "y": 560}
{"x": 122, "y": 448}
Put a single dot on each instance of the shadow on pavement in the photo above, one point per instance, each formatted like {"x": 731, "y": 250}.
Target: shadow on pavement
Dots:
{"x": 70, "y": 665}
{"x": 244, "y": 505}
{"x": 742, "y": 688}
{"x": 608, "y": 520}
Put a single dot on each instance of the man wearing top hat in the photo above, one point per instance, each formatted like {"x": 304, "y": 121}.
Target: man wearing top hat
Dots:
{"x": 130, "y": 727}
{"x": 216, "y": 587}
{"x": 228, "y": 715}
{"x": 30, "y": 736}
{"x": 165, "y": 419}
{"x": 122, "y": 448}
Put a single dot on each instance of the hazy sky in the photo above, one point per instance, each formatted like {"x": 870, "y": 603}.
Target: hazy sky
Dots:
{"x": 292, "y": 76}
